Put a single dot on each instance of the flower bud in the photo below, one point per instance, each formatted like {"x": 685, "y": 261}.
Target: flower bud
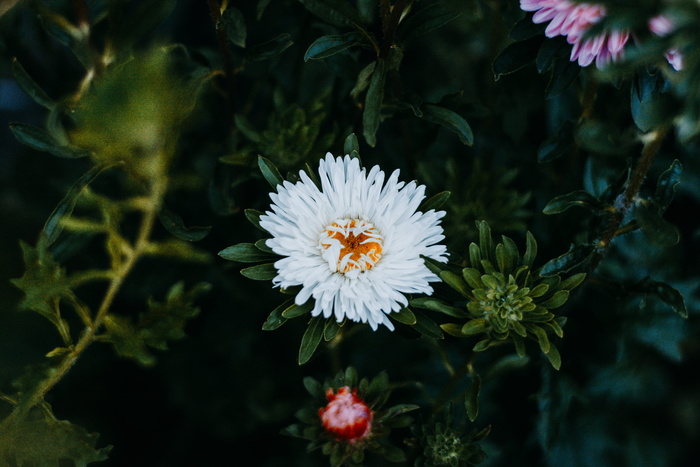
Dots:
{"x": 346, "y": 417}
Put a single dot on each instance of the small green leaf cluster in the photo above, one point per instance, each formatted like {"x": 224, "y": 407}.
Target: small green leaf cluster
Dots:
{"x": 375, "y": 393}
{"x": 506, "y": 298}
{"x": 446, "y": 443}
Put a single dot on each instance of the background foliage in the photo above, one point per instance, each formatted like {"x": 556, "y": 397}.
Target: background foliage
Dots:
{"x": 149, "y": 116}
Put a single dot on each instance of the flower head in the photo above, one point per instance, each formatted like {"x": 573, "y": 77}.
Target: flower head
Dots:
{"x": 572, "y": 20}
{"x": 445, "y": 443}
{"x": 353, "y": 242}
{"x": 346, "y": 417}
{"x": 662, "y": 26}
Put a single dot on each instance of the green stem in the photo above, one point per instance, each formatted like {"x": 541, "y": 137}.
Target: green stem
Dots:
{"x": 88, "y": 336}
{"x": 444, "y": 396}
{"x": 390, "y": 22}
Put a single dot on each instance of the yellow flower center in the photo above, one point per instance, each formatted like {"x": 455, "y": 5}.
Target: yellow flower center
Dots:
{"x": 353, "y": 244}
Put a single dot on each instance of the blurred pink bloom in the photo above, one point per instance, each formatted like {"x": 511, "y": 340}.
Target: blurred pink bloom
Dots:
{"x": 662, "y": 26}
{"x": 572, "y": 20}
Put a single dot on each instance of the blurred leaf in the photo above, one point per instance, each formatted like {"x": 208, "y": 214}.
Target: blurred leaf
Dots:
{"x": 663, "y": 291}
{"x": 39, "y": 139}
{"x": 564, "y": 73}
{"x": 659, "y": 231}
{"x": 550, "y": 51}
{"x": 450, "y": 120}
{"x": 397, "y": 410}
{"x": 336, "y": 12}
{"x": 576, "y": 198}
{"x": 41, "y": 440}
{"x": 325, "y": 46}
{"x": 244, "y": 253}
{"x": 269, "y": 49}
{"x": 554, "y": 357}
{"x": 471, "y": 398}
{"x": 434, "y": 304}
{"x": 371, "y": 115}
{"x": 434, "y": 202}
{"x": 559, "y": 144}
{"x": 666, "y": 185}
{"x": 30, "y": 86}
{"x": 233, "y": 23}
{"x": 311, "y": 338}
{"x": 425, "y": 19}
{"x": 515, "y": 56}
{"x": 176, "y": 226}
{"x": 575, "y": 257}
{"x": 650, "y": 107}
{"x": 261, "y": 272}
{"x": 363, "y": 80}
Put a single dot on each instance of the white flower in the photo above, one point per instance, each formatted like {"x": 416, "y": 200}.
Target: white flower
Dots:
{"x": 355, "y": 245}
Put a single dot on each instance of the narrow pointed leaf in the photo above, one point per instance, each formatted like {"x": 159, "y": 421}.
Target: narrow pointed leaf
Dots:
{"x": 405, "y": 316}
{"x": 435, "y": 202}
{"x": 39, "y": 139}
{"x": 371, "y": 115}
{"x": 275, "y": 319}
{"x": 176, "y": 226}
{"x": 261, "y": 272}
{"x": 270, "y": 172}
{"x": 471, "y": 398}
{"x": 30, "y": 86}
{"x": 244, "y": 253}
{"x": 310, "y": 340}
{"x": 450, "y": 120}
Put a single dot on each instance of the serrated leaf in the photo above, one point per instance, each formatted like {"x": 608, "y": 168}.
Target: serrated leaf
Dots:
{"x": 269, "y": 49}
{"x": 270, "y": 172}
{"x": 371, "y": 114}
{"x": 310, "y": 340}
{"x": 30, "y": 86}
{"x": 576, "y": 198}
{"x": 515, "y": 56}
{"x": 434, "y": 202}
{"x": 326, "y": 46}
{"x": 39, "y": 139}
{"x": 41, "y": 440}
{"x": 404, "y": 315}
{"x": 261, "y": 272}
{"x": 233, "y": 24}
{"x": 275, "y": 318}
{"x": 244, "y": 253}
{"x": 471, "y": 398}
{"x": 450, "y": 120}
{"x": 176, "y": 226}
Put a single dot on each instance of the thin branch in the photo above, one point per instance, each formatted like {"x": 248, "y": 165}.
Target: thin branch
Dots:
{"x": 215, "y": 13}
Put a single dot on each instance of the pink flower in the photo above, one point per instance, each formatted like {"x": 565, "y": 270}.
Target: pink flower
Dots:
{"x": 573, "y": 20}
{"x": 346, "y": 417}
{"x": 663, "y": 26}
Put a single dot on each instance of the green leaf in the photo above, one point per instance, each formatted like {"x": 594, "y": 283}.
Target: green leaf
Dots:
{"x": 311, "y": 338}
{"x": 572, "y": 282}
{"x": 351, "y": 146}
{"x": 262, "y": 246}
{"x": 557, "y": 145}
{"x": 314, "y": 388}
{"x": 30, "y": 86}
{"x": 261, "y": 272}
{"x": 564, "y": 73}
{"x": 397, "y": 410}
{"x": 245, "y": 253}
{"x": 482, "y": 345}
{"x": 331, "y": 329}
{"x": 576, "y": 256}
{"x": 233, "y": 24}
{"x": 426, "y": 19}
{"x": 434, "y": 304}
{"x": 41, "y": 440}
{"x": 530, "y": 250}
{"x": 378, "y": 390}
{"x": 557, "y": 300}
{"x": 253, "y": 217}
{"x": 176, "y": 226}
{"x": 666, "y": 293}
{"x": 269, "y": 49}
{"x": 435, "y": 202}
{"x": 326, "y": 46}
{"x": 54, "y": 226}
{"x": 666, "y": 185}
{"x": 525, "y": 29}
{"x": 363, "y": 79}
{"x": 450, "y": 120}
{"x": 576, "y": 198}
{"x": 659, "y": 231}
{"x": 404, "y": 315}
{"x": 474, "y": 327}
{"x": 336, "y": 12}
{"x": 453, "y": 329}
{"x": 275, "y": 319}
{"x": 427, "y": 326}
{"x": 473, "y": 278}
{"x": 551, "y": 50}
{"x": 651, "y": 108}
{"x": 515, "y": 56}
{"x": 294, "y": 310}
{"x": 456, "y": 282}
{"x": 39, "y": 139}
{"x": 270, "y": 172}
{"x": 371, "y": 115}
{"x": 554, "y": 357}
{"x": 471, "y": 398}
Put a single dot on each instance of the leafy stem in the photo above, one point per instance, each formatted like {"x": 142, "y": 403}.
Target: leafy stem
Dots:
{"x": 156, "y": 192}
{"x": 391, "y": 15}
